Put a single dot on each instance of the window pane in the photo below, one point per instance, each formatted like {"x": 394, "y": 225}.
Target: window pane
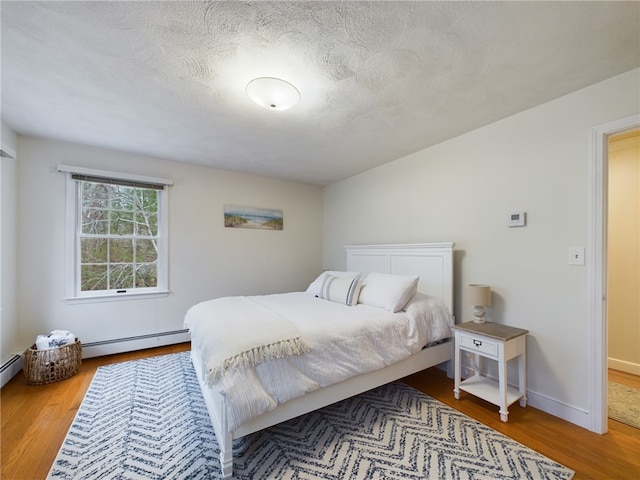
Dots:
{"x": 95, "y": 221}
{"x": 120, "y": 251}
{"x": 147, "y": 200}
{"x": 146, "y": 275}
{"x": 146, "y": 224}
{"x": 146, "y": 251}
{"x": 93, "y": 250}
{"x": 95, "y": 195}
{"x": 122, "y": 198}
{"x": 121, "y": 223}
{"x": 93, "y": 277}
{"x": 121, "y": 276}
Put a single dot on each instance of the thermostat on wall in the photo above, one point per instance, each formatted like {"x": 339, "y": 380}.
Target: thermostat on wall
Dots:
{"x": 517, "y": 219}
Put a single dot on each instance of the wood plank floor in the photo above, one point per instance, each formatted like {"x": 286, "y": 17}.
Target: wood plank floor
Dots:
{"x": 624, "y": 378}
{"x": 35, "y": 419}
{"x": 614, "y": 455}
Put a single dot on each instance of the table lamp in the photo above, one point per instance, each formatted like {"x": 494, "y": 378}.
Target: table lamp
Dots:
{"x": 479, "y": 297}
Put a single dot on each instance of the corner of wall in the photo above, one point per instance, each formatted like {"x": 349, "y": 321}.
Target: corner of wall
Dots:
{"x": 8, "y": 141}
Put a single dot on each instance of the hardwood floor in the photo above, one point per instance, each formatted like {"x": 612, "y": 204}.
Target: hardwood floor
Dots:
{"x": 614, "y": 455}
{"x": 35, "y": 420}
{"x": 624, "y": 378}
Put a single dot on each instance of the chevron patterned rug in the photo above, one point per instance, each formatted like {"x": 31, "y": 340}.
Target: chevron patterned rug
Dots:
{"x": 146, "y": 419}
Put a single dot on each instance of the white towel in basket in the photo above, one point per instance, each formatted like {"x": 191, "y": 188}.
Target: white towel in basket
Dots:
{"x": 55, "y": 339}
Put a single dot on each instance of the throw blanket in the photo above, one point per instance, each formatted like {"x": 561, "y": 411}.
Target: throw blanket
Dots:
{"x": 241, "y": 333}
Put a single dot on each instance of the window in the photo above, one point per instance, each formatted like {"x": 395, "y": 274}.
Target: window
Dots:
{"x": 117, "y": 242}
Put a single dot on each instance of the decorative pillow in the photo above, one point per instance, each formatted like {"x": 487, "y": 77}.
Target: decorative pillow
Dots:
{"x": 315, "y": 286}
{"x": 341, "y": 289}
{"x": 388, "y": 291}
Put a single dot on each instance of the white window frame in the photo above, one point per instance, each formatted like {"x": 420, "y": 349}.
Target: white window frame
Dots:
{"x": 73, "y": 220}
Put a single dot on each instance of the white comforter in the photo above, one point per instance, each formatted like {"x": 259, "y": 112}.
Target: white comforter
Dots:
{"x": 344, "y": 341}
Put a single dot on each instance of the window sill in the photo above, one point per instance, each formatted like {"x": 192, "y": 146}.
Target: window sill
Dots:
{"x": 116, "y": 297}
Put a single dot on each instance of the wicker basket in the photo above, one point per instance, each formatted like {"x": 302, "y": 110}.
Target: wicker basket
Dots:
{"x": 47, "y": 366}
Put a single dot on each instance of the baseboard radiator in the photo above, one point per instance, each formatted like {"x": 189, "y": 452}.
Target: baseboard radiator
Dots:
{"x": 129, "y": 344}
{"x": 12, "y": 367}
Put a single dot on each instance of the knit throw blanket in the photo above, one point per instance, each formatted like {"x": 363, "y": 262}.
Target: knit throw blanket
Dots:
{"x": 240, "y": 332}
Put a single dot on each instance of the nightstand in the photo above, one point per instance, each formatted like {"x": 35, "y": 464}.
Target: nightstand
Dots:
{"x": 497, "y": 342}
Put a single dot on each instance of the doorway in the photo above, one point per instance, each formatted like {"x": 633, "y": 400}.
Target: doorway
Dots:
{"x": 597, "y": 266}
{"x": 623, "y": 276}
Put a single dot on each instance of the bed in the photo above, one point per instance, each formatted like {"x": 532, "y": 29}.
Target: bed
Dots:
{"x": 239, "y": 393}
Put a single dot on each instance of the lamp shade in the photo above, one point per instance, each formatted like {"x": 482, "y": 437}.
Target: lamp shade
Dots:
{"x": 480, "y": 295}
{"x": 273, "y": 93}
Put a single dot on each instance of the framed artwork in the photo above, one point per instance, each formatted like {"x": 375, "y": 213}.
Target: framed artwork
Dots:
{"x": 250, "y": 217}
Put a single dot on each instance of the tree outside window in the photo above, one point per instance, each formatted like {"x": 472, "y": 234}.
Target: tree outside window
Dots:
{"x": 119, "y": 237}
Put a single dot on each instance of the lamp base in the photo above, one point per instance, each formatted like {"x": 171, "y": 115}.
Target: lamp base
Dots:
{"x": 478, "y": 314}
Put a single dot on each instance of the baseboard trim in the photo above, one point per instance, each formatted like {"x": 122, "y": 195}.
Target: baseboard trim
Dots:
{"x": 129, "y": 344}
{"x": 559, "y": 409}
{"x": 623, "y": 366}
{"x": 10, "y": 369}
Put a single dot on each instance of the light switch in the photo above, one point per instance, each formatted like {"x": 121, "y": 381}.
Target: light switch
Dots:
{"x": 576, "y": 255}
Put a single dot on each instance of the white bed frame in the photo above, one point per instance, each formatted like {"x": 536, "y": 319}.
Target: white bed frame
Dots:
{"x": 432, "y": 261}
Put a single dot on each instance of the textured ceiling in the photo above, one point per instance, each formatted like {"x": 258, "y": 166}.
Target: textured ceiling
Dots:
{"x": 378, "y": 80}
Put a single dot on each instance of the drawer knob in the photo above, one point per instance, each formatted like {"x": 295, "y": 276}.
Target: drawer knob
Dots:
{"x": 477, "y": 343}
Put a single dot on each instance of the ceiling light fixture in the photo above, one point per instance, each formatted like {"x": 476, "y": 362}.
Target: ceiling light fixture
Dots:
{"x": 273, "y": 93}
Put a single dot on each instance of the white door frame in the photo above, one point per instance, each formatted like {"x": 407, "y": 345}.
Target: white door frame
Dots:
{"x": 597, "y": 265}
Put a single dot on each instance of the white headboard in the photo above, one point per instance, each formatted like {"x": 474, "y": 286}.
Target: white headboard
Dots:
{"x": 432, "y": 261}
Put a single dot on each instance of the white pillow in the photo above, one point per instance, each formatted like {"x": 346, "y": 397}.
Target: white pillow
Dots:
{"x": 388, "y": 291}
{"x": 341, "y": 289}
{"x": 315, "y": 286}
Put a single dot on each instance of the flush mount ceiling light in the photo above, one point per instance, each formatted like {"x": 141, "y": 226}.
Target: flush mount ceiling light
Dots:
{"x": 273, "y": 93}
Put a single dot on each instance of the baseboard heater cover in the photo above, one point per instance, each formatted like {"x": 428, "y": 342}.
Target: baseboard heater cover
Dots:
{"x": 10, "y": 369}
{"x": 127, "y": 344}
{"x": 7, "y": 365}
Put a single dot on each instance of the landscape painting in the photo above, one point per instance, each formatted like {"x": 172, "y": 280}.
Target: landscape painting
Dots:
{"x": 250, "y": 217}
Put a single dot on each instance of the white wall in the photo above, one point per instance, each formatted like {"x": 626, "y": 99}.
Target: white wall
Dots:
{"x": 206, "y": 260}
{"x": 462, "y": 190}
{"x": 9, "y": 344}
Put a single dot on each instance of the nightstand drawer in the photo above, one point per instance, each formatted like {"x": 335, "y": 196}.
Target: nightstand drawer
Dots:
{"x": 480, "y": 345}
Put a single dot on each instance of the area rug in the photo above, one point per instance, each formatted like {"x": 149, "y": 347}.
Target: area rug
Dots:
{"x": 147, "y": 419}
{"x": 624, "y": 404}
